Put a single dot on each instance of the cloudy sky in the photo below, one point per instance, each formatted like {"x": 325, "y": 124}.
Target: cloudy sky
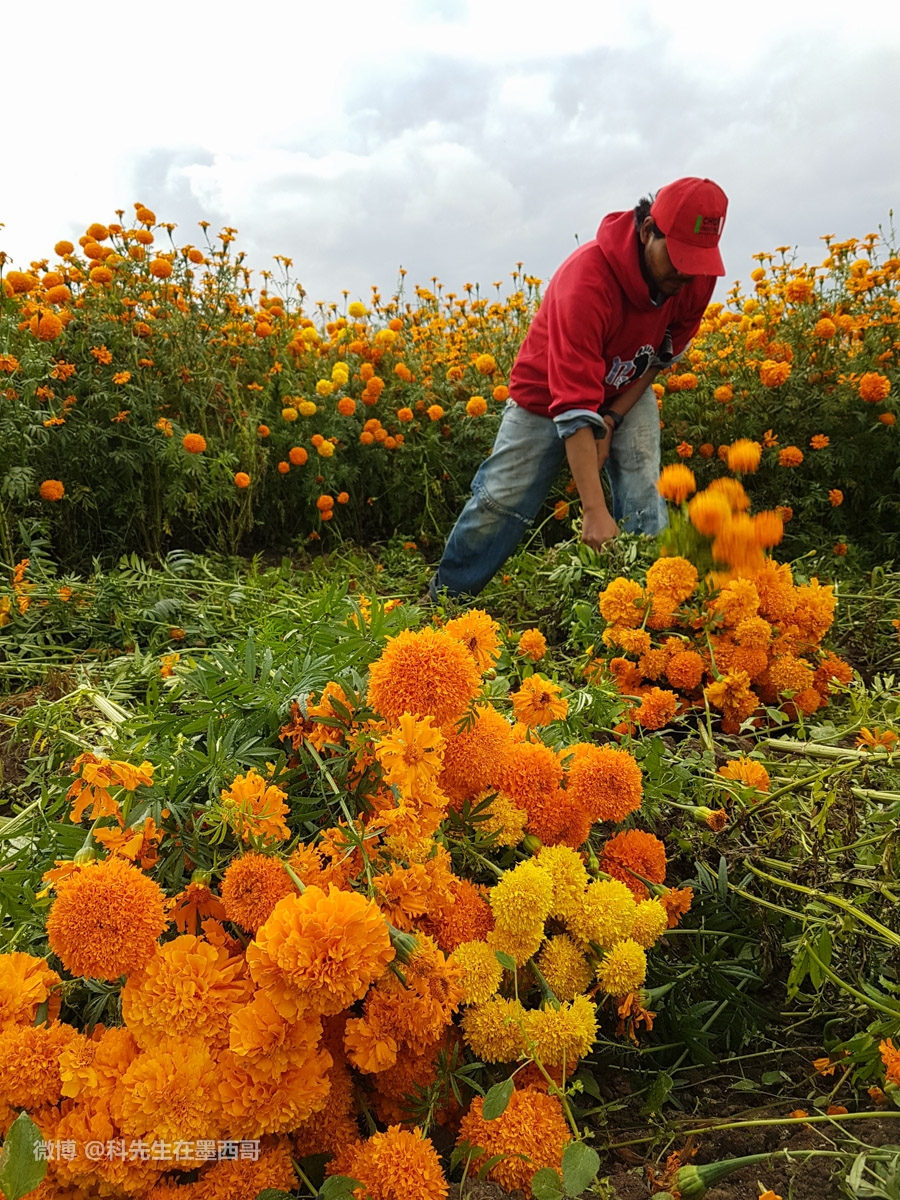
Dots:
{"x": 453, "y": 138}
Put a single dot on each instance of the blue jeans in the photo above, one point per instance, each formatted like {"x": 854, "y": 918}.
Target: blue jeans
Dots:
{"x": 511, "y": 485}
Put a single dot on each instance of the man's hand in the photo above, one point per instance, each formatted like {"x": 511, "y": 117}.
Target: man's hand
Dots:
{"x": 597, "y": 527}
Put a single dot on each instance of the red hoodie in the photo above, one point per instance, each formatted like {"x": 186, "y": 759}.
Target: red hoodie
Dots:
{"x": 597, "y": 329}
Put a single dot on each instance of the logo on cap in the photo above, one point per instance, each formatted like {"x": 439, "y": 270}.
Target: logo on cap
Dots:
{"x": 708, "y": 226}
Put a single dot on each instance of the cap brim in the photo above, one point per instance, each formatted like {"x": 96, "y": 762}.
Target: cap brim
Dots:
{"x": 695, "y": 260}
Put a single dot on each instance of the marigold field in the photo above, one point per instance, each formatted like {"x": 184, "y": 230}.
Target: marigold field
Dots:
{"x": 308, "y": 889}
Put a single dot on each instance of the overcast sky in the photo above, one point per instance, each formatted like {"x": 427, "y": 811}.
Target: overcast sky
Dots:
{"x": 454, "y": 138}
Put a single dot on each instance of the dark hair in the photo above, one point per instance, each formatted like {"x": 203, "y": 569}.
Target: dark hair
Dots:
{"x": 642, "y": 212}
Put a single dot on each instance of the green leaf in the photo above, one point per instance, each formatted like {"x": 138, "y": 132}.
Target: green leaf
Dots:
{"x": 336, "y": 1188}
{"x": 278, "y": 1194}
{"x": 496, "y": 1100}
{"x": 22, "y": 1163}
{"x": 547, "y": 1185}
{"x": 659, "y": 1092}
{"x": 580, "y": 1165}
{"x": 770, "y": 1077}
{"x": 505, "y": 960}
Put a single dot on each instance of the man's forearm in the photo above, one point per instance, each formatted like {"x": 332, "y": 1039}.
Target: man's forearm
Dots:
{"x": 626, "y": 400}
{"x": 581, "y": 451}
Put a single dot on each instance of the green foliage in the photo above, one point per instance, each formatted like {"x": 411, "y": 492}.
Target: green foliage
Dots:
{"x": 22, "y": 1167}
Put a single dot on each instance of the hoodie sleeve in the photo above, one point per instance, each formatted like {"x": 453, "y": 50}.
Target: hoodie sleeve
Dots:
{"x": 576, "y": 321}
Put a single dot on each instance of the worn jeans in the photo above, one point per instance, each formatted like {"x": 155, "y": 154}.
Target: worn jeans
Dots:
{"x": 511, "y": 485}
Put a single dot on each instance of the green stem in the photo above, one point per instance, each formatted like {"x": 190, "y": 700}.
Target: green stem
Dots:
{"x": 760, "y": 1122}
{"x": 842, "y": 983}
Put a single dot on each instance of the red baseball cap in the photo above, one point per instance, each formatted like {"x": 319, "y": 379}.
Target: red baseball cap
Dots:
{"x": 691, "y": 214}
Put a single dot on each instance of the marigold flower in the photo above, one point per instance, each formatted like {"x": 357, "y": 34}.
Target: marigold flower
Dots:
{"x": 887, "y": 418}
{"x": 26, "y": 983}
{"x": 684, "y": 670}
{"x": 480, "y": 634}
{"x": 632, "y": 853}
{"x": 522, "y": 898}
{"x": 676, "y": 482}
{"x": 476, "y": 406}
{"x": 606, "y": 914}
{"x": 874, "y": 387}
{"x": 251, "y": 887}
{"x": 289, "y": 414}
{"x": 63, "y": 248}
{"x": 252, "y": 807}
{"x": 733, "y": 491}
{"x": 427, "y": 673}
{"x": 405, "y": 415}
{"x": 622, "y": 603}
{"x": 29, "y": 1063}
{"x": 412, "y": 755}
{"x": 400, "y": 1164}
{"x": 539, "y": 701}
{"x": 624, "y": 968}
{"x": 604, "y": 781}
{"x": 790, "y": 456}
{"x": 673, "y": 580}
{"x": 530, "y": 1134}
{"x": 684, "y": 450}
{"x": 481, "y": 971}
{"x": 52, "y": 489}
{"x": 724, "y": 394}
{"x": 560, "y": 1037}
{"x": 194, "y": 443}
{"x": 650, "y": 922}
{"x": 773, "y": 374}
{"x": 564, "y": 966}
{"x": 105, "y": 920}
{"x": 658, "y": 706}
{"x": 325, "y": 449}
{"x": 241, "y": 480}
{"x": 676, "y": 902}
{"x": 819, "y": 441}
{"x": 744, "y": 456}
{"x": 708, "y": 512}
{"x": 466, "y": 917}
{"x": 46, "y": 327}
{"x": 161, "y": 268}
{"x": 747, "y": 771}
{"x": 319, "y": 953}
{"x": 520, "y": 944}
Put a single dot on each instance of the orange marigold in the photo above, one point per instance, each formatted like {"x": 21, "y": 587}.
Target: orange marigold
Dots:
{"x": 194, "y": 443}
{"x": 658, "y": 706}
{"x": 531, "y": 1133}
{"x": 532, "y": 644}
{"x": 480, "y": 634}
{"x": 52, "y": 489}
{"x": 874, "y": 388}
{"x": 604, "y": 781}
{"x": 621, "y": 603}
{"x": 748, "y": 771}
{"x": 106, "y": 919}
{"x": 426, "y": 672}
{"x": 744, "y": 456}
{"x": 400, "y": 1164}
{"x": 676, "y": 482}
{"x": 251, "y": 887}
{"x": 684, "y": 670}
{"x": 26, "y": 983}
{"x": 672, "y": 580}
{"x": 634, "y": 850}
{"x": 790, "y": 456}
{"x": 773, "y": 374}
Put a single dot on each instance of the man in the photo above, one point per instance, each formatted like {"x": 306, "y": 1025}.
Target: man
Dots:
{"x": 618, "y": 310}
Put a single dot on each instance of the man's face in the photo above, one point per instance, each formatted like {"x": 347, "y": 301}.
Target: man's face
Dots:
{"x": 666, "y": 278}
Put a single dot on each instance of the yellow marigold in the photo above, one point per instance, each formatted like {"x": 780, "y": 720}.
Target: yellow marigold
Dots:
{"x": 747, "y": 771}
{"x": 734, "y": 697}
{"x": 307, "y": 408}
{"x": 773, "y": 374}
{"x": 744, "y": 456}
{"x": 486, "y": 364}
{"x": 624, "y": 968}
{"x": 252, "y": 886}
{"x": 161, "y": 268}
{"x": 708, "y": 512}
{"x": 814, "y": 610}
{"x": 539, "y": 701}
{"x": 530, "y": 1134}
{"x": 650, "y": 922}
{"x": 737, "y": 601}
{"x": 481, "y": 971}
{"x": 427, "y": 673}
{"x": 606, "y": 914}
{"x": 412, "y": 754}
{"x": 632, "y": 853}
{"x": 253, "y": 807}
{"x": 504, "y": 820}
{"x": 520, "y": 943}
{"x": 106, "y": 919}
{"x": 672, "y": 579}
{"x": 476, "y": 406}
{"x": 874, "y": 388}
{"x": 52, "y": 489}
{"x": 289, "y": 413}
{"x": 29, "y": 1063}
{"x": 494, "y": 1030}
{"x": 26, "y": 983}
{"x": 569, "y": 875}
{"x": 188, "y": 988}
{"x": 522, "y": 899}
{"x": 787, "y": 673}
{"x": 532, "y": 644}
{"x": 318, "y": 953}
{"x": 622, "y": 603}
{"x": 676, "y": 482}
{"x": 630, "y": 641}
{"x": 565, "y": 967}
{"x": 790, "y": 456}
{"x": 480, "y": 634}
{"x": 562, "y": 1036}
{"x": 604, "y": 780}
{"x": 194, "y": 443}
